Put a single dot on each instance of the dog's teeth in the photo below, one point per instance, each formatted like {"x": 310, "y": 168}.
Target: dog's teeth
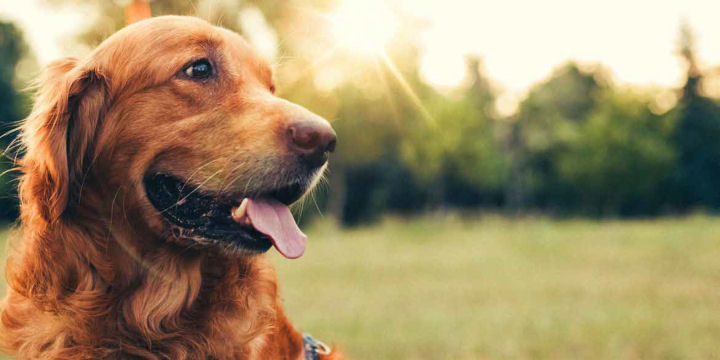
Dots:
{"x": 242, "y": 209}
{"x": 246, "y": 221}
{"x": 240, "y": 213}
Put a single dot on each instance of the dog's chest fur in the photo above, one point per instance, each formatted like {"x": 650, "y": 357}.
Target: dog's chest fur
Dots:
{"x": 178, "y": 308}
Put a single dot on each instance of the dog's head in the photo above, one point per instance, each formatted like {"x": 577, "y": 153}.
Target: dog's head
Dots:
{"x": 177, "y": 119}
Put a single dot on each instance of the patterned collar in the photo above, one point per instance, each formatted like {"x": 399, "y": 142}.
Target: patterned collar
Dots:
{"x": 314, "y": 348}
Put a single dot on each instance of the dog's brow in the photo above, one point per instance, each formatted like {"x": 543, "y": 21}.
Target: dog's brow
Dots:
{"x": 266, "y": 72}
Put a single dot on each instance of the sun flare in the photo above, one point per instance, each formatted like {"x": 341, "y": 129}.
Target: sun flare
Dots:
{"x": 363, "y": 26}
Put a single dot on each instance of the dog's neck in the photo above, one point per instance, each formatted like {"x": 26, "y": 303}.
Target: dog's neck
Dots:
{"x": 108, "y": 285}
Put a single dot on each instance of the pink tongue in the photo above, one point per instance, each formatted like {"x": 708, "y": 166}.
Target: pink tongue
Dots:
{"x": 274, "y": 219}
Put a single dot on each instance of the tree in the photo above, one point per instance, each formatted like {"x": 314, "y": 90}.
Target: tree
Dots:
{"x": 697, "y": 136}
{"x": 616, "y": 162}
{"x": 551, "y": 110}
{"x": 455, "y": 151}
{"x": 586, "y": 146}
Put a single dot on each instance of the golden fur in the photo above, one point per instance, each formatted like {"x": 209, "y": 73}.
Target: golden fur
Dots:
{"x": 93, "y": 273}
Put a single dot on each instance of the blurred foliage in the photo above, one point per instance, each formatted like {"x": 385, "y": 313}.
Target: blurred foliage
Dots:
{"x": 618, "y": 158}
{"x": 697, "y": 137}
{"x": 578, "y": 143}
{"x": 13, "y": 103}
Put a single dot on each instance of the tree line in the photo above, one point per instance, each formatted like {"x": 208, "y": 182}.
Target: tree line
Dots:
{"x": 578, "y": 144}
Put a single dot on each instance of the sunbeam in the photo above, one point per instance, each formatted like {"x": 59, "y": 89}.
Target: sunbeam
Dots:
{"x": 407, "y": 88}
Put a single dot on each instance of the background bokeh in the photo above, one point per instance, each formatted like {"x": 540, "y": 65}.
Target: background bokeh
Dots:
{"x": 564, "y": 209}
{"x": 578, "y": 141}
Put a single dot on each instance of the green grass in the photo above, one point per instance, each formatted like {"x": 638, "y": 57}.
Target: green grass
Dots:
{"x": 475, "y": 288}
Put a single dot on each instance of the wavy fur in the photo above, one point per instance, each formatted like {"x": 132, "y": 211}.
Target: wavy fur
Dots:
{"x": 91, "y": 273}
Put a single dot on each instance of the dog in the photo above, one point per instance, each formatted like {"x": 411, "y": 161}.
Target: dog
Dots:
{"x": 155, "y": 172}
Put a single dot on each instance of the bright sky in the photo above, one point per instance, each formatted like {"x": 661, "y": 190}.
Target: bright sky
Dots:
{"x": 521, "y": 41}
{"x": 45, "y": 28}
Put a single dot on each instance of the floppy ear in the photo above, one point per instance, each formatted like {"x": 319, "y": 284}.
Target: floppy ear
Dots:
{"x": 59, "y": 132}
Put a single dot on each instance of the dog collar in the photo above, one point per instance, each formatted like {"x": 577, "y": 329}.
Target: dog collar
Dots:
{"x": 314, "y": 348}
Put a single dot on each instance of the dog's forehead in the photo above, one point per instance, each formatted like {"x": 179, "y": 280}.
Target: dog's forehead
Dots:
{"x": 151, "y": 51}
{"x": 239, "y": 49}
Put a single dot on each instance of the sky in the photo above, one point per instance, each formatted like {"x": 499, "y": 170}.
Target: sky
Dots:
{"x": 520, "y": 41}
{"x": 45, "y": 28}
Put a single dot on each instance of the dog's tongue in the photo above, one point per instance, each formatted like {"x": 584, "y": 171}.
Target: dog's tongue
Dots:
{"x": 275, "y": 220}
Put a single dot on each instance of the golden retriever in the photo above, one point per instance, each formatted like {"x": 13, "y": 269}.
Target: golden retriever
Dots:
{"x": 155, "y": 172}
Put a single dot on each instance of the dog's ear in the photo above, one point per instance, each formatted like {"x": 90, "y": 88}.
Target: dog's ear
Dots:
{"x": 59, "y": 132}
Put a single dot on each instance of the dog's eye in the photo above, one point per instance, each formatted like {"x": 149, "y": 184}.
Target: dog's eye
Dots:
{"x": 272, "y": 89}
{"x": 199, "y": 70}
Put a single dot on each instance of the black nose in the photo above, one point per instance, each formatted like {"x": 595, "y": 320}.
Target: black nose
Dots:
{"x": 312, "y": 140}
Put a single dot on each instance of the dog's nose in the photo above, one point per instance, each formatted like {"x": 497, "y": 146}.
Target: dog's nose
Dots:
{"x": 312, "y": 140}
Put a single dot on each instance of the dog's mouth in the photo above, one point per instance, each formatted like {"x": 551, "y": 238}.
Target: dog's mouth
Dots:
{"x": 237, "y": 222}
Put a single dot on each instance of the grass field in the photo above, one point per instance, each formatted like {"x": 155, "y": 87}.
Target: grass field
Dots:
{"x": 476, "y": 288}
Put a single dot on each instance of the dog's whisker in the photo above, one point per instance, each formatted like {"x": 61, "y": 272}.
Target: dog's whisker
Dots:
{"x": 180, "y": 201}
{"x": 302, "y": 207}
{"x": 312, "y": 196}
{"x": 227, "y": 175}
{"x": 197, "y": 170}
{"x": 247, "y": 183}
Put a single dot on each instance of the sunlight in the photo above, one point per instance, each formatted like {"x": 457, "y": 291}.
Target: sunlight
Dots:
{"x": 408, "y": 89}
{"x": 443, "y": 69}
{"x": 363, "y": 26}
